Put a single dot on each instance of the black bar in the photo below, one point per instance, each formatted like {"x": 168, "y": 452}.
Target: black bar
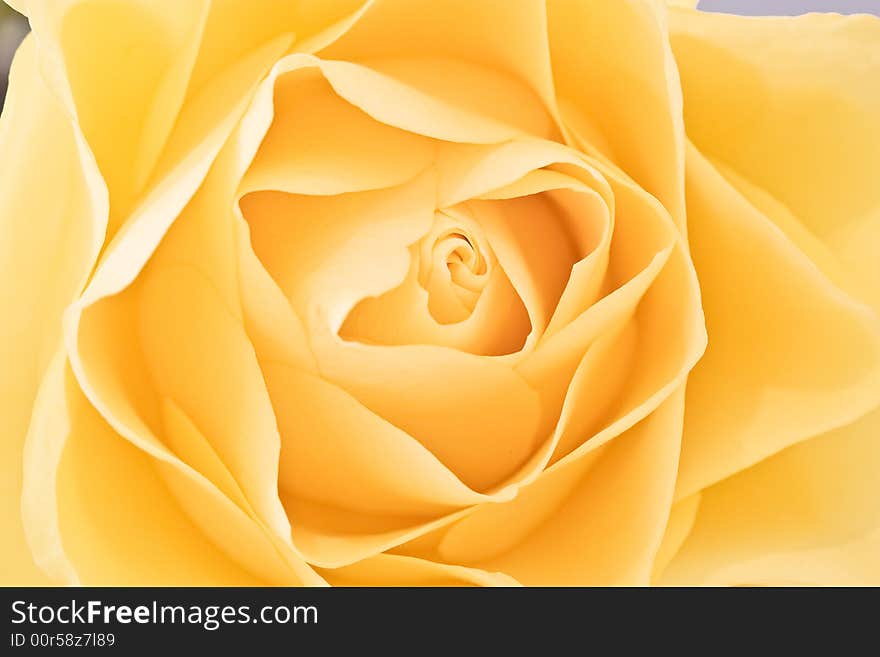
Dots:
{"x": 420, "y": 621}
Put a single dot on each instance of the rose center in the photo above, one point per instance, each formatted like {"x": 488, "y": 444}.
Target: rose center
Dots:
{"x": 455, "y": 263}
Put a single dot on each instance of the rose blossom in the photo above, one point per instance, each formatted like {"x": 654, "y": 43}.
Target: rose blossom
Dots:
{"x": 571, "y": 292}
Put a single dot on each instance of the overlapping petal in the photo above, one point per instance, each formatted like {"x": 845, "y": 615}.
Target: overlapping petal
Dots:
{"x": 783, "y": 155}
{"x": 807, "y": 515}
{"x": 791, "y": 354}
{"x": 618, "y": 90}
{"x": 590, "y": 522}
{"x": 790, "y": 105}
{"x": 52, "y": 218}
{"x": 100, "y": 511}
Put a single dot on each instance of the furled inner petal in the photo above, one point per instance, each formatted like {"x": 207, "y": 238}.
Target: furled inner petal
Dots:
{"x": 455, "y": 294}
{"x": 455, "y": 262}
{"x": 533, "y": 247}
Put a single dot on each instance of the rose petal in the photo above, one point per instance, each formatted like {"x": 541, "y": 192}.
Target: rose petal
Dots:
{"x": 615, "y": 75}
{"x": 122, "y": 69}
{"x": 43, "y": 447}
{"x": 652, "y": 317}
{"x": 506, "y": 179}
{"x": 211, "y": 112}
{"x": 199, "y": 356}
{"x": 474, "y": 88}
{"x": 329, "y": 252}
{"x": 462, "y": 407}
{"x": 48, "y": 245}
{"x": 332, "y": 536}
{"x": 396, "y": 570}
{"x": 190, "y": 324}
{"x": 493, "y": 529}
{"x": 99, "y": 513}
{"x": 468, "y": 171}
{"x": 608, "y": 529}
{"x": 114, "y": 373}
{"x": 361, "y": 461}
{"x": 523, "y": 231}
{"x": 791, "y": 105}
{"x": 409, "y": 108}
{"x": 129, "y": 252}
{"x": 321, "y": 144}
{"x": 494, "y": 34}
{"x": 236, "y": 28}
{"x": 276, "y": 331}
{"x": 121, "y": 387}
{"x": 628, "y": 260}
{"x": 139, "y": 237}
{"x": 681, "y": 521}
{"x": 790, "y": 355}
{"x": 851, "y": 564}
{"x": 819, "y": 528}
{"x": 183, "y": 71}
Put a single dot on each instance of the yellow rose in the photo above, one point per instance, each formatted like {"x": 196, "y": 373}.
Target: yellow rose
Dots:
{"x": 394, "y": 292}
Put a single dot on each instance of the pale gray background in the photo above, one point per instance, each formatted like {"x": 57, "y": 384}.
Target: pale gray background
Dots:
{"x": 790, "y": 7}
{"x": 13, "y": 27}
